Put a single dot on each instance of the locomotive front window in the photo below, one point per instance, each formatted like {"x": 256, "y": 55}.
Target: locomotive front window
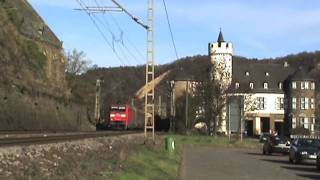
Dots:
{"x": 118, "y": 109}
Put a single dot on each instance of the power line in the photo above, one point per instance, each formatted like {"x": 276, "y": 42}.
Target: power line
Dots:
{"x": 129, "y": 41}
{"x": 107, "y": 26}
{"x": 93, "y": 19}
{"x": 169, "y": 24}
{"x": 99, "y": 29}
{"x": 114, "y": 39}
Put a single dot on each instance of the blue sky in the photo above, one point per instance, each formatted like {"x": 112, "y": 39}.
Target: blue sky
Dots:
{"x": 258, "y": 29}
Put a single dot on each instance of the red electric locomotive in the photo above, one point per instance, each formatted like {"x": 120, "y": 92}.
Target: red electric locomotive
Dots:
{"x": 122, "y": 116}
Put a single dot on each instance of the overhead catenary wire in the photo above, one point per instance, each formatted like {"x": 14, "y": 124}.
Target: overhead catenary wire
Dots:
{"x": 115, "y": 40}
{"x": 105, "y": 23}
{"x": 80, "y": 2}
{"x": 120, "y": 29}
{"x": 94, "y": 19}
{"x": 171, "y": 33}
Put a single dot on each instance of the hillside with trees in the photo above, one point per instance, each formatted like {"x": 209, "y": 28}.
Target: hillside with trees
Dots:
{"x": 121, "y": 83}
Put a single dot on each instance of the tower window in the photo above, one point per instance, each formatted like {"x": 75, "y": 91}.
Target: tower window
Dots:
{"x": 251, "y": 85}
{"x": 265, "y": 85}
{"x": 247, "y": 73}
{"x": 227, "y": 45}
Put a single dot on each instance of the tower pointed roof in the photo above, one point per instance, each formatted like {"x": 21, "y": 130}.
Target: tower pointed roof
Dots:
{"x": 220, "y": 38}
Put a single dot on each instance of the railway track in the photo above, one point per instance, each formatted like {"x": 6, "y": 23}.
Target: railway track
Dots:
{"x": 47, "y": 138}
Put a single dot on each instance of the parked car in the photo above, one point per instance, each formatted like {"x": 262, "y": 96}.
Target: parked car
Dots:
{"x": 276, "y": 144}
{"x": 318, "y": 160}
{"x": 264, "y": 137}
{"x": 304, "y": 149}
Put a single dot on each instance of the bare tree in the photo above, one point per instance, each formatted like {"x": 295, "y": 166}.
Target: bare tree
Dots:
{"x": 213, "y": 97}
{"x": 76, "y": 62}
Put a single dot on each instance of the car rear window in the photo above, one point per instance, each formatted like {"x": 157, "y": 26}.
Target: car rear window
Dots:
{"x": 309, "y": 142}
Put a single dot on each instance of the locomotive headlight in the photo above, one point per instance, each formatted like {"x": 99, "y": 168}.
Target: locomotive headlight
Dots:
{"x": 112, "y": 115}
{"x": 303, "y": 152}
{"x": 123, "y": 115}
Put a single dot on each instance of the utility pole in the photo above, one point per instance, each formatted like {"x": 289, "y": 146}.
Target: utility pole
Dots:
{"x": 160, "y": 106}
{"x": 172, "y": 105}
{"x": 149, "y": 95}
{"x": 97, "y": 103}
{"x": 187, "y": 104}
{"x": 229, "y": 117}
{"x": 241, "y": 118}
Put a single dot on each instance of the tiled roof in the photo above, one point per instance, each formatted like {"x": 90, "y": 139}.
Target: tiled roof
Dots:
{"x": 258, "y": 73}
{"x": 300, "y": 74}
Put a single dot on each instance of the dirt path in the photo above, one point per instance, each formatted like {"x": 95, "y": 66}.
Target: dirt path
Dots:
{"x": 230, "y": 163}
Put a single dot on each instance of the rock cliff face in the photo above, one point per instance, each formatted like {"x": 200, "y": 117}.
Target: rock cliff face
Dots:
{"x": 33, "y": 90}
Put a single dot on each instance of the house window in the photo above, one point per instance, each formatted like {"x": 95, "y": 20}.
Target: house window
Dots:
{"x": 312, "y": 122}
{"x": 302, "y": 85}
{"x": 306, "y": 100}
{"x": 280, "y": 85}
{"x": 280, "y": 103}
{"x": 294, "y": 122}
{"x": 294, "y": 103}
{"x": 306, "y": 85}
{"x": 247, "y": 73}
{"x": 311, "y": 103}
{"x": 237, "y": 85}
{"x": 294, "y": 85}
{"x": 265, "y": 85}
{"x": 260, "y": 103}
{"x": 304, "y": 122}
{"x": 312, "y": 85}
{"x": 302, "y": 103}
{"x": 267, "y": 74}
{"x": 251, "y": 85}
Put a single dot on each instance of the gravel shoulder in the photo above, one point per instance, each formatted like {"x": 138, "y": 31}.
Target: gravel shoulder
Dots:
{"x": 201, "y": 163}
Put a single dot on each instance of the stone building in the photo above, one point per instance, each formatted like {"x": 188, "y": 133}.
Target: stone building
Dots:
{"x": 300, "y": 100}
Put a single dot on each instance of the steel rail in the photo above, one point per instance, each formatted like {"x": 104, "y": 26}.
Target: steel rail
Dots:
{"x": 55, "y": 138}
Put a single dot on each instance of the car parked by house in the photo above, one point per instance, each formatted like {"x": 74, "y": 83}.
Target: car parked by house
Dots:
{"x": 276, "y": 144}
{"x": 264, "y": 137}
{"x": 304, "y": 149}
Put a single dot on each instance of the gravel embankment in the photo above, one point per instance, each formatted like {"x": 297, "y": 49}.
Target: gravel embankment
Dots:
{"x": 83, "y": 159}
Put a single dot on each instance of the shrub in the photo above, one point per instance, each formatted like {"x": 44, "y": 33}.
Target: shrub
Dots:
{"x": 300, "y": 131}
{"x": 37, "y": 58}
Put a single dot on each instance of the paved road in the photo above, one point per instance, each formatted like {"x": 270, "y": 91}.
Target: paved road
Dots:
{"x": 229, "y": 163}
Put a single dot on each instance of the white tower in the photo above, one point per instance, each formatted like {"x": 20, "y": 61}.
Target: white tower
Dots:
{"x": 220, "y": 54}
